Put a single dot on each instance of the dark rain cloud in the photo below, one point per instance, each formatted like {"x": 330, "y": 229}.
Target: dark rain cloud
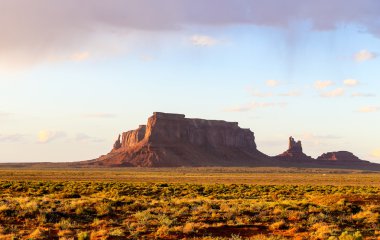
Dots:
{"x": 40, "y": 26}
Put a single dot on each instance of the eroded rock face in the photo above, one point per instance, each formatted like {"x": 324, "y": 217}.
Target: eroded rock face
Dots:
{"x": 173, "y": 140}
{"x": 131, "y": 138}
{"x": 294, "y": 147}
{"x": 294, "y": 152}
{"x": 339, "y": 156}
{"x": 117, "y": 144}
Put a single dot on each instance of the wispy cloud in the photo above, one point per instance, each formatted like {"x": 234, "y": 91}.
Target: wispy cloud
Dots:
{"x": 256, "y": 93}
{"x": 317, "y": 139}
{"x": 369, "y": 109}
{"x": 45, "y": 136}
{"x": 322, "y": 84}
{"x": 350, "y": 82}
{"x": 203, "y": 40}
{"x": 363, "y": 95}
{"x": 99, "y": 115}
{"x": 146, "y": 58}
{"x": 338, "y": 92}
{"x": 11, "y": 137}
{"x": 272, "y": 83}
{"x": 255, "y": 105}
{"x": 80, "y": 56}
{"x": 82, "y": 137}
{"x": 292, "y": 93}
{"x": 5, "y": 114}
{"x": 308, "y": 136}
{"x": 364, "y": 55}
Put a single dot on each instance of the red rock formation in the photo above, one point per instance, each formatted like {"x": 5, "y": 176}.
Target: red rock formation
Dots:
{"x": 339, "y": 156}
{"x": 294, "y": 152}
{"x": 294, "y": 157}
{"x": 173, "y": 140}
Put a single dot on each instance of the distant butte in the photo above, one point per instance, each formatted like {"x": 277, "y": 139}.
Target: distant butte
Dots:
{"x": 294, "y": 152}
{"x": 339, "y": 156}
{"x": 172, "y": 140}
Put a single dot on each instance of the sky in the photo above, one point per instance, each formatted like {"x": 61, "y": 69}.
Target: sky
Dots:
{"x": 76, "y": 73}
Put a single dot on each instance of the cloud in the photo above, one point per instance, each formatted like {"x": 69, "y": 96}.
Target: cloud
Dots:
{"x": 146, "y": 58}
{"x": 364, "y": 55}
{"x": 80, "y": 56}
{"x": 312, "y": 136}
{"x": 82, "y": 137}
{"x": 32, "y": 31}
{"x": 5, "y": 114}
{"x": 322, "y": 84}
{"x": 272, "y": 83}
{"x": 203, "y": 41}
{"x": 11, "y": 137}
{"x": 254, "y": 105}
{"x": 350, "y": 82}
{"x": 317, "y": 139}
{"x": 369, "y": 109}
{"x": 363, "y": 95}
{"x": 376, "y": 153}
{"x": 260, "y": 94}
{"x": 45, "y": 136}
{"x": 290, "y": 94}
{"x": 99, "y": 115}
{"x": 334, "y": 93}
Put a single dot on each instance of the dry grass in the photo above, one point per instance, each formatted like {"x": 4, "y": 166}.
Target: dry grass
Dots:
{"x": 264, "y": 176}
{"x": 199, "y": 203}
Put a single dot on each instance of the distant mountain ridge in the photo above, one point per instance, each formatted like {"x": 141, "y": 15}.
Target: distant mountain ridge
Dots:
{"x": 172, "y": 140}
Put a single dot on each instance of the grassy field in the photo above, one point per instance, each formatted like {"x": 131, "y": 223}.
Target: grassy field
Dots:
{"x": 195, "y": 203}
{"x": 264, "y": 176}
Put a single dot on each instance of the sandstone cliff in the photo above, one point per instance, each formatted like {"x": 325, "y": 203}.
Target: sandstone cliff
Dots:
{"x": 170, "y": 140}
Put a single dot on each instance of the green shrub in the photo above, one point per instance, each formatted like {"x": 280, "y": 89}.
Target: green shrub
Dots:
{"x": 83, "y": 236}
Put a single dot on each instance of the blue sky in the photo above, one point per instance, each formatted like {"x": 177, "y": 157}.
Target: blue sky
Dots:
{"x": 71, "y": 82}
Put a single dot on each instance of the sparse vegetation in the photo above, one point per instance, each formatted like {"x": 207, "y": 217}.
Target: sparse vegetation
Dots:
{"x": 124, "y": 210}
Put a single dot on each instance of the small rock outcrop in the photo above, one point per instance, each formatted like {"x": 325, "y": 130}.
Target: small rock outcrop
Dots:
{"x": 294, "y": 157}
{"x": 340, "y": 156}
{"x": 294, "y": 152}
{"x": 171, "y": 140}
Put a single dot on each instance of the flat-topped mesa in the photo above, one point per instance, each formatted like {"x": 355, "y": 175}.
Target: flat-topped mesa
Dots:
{"x": 172, "y": 139}
{"x": 168, "y": 115}
{"x": 168, "y": 128}
{"x": 340, "y": 156}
